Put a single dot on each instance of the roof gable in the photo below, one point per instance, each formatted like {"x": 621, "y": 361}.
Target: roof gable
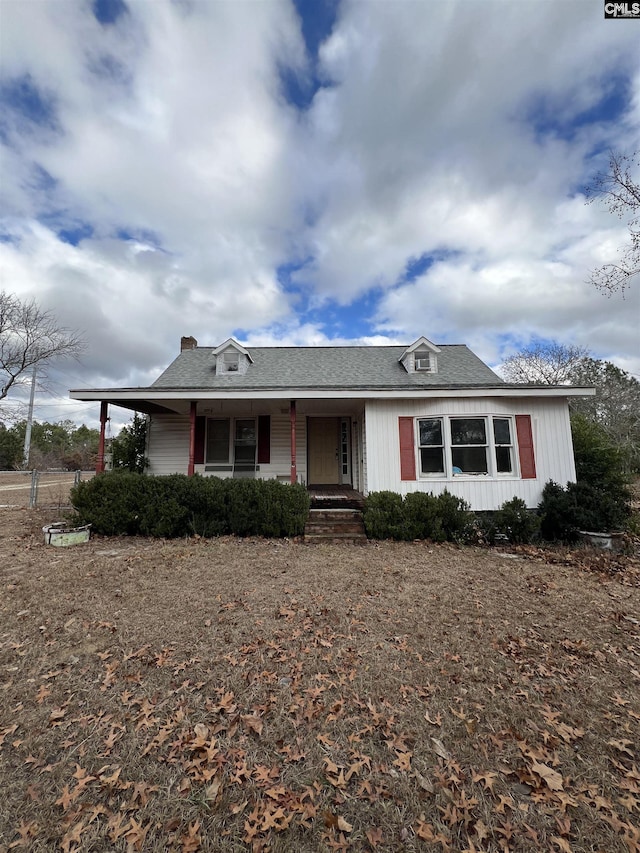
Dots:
{"x": 230, "y": 343}
{"x": 420, "y": 343}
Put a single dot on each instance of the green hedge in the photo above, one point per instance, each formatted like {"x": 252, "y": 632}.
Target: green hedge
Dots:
{"x": 176, "y": 505}
{"x": 582, "y": 506}
{"x": 419, "y": 515}
{"x": 445, "y": 518}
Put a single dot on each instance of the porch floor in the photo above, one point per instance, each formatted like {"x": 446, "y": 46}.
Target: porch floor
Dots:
{"x": 335, "y": 497}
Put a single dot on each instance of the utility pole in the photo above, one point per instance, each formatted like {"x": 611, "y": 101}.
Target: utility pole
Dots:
{"x": 27, "y": 433}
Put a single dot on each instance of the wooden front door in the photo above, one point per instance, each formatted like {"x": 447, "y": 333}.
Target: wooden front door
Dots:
{"x": 323, "y": 442}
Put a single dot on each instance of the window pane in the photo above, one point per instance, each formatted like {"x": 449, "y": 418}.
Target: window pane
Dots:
{"x": 431, "y": 431}
{"x": 245, "y": 454}
{"x": 502, "y": 430}
{"x": 246, "y": 431}
{"x": 245, "y": 442}
{"x": 431, "y": 460}
{"x": 468, "y": 431}
{"x": 218, "y": 440}
{"x": 503, "y": 460}
{"x": 470, "y": 460}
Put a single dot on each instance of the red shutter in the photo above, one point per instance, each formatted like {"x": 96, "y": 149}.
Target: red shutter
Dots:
{"x": 264, "y": 440}
{"x": 525, "y": 447}
{"x": 407, "y": 449}
{"x": 198, "y": 452}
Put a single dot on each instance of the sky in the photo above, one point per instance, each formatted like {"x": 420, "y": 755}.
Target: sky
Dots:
{"x": 311, "y": 172}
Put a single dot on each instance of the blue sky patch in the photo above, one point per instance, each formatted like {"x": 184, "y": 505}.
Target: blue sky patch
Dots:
{"x": 139, "y": 235}
{"x": 416, "y": 267}
{"x": 108, "y": 11}
{"x": 75, "y": 234}
{"x": 42, "y": 180}
{"x": 317, "y": 19}
{"x": 547, "y": 118}
{"x": 23, "y": 102}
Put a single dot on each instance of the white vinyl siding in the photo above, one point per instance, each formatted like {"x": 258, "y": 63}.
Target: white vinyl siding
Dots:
{"x": 551, "y": 436}
{"x": 168, "y": 448}
{"x": 168, "y": 444}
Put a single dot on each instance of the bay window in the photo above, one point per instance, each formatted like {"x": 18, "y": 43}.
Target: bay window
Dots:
{"x": 452, "y": 446}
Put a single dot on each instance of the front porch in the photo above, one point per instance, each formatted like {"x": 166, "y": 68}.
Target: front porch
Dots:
{"x": 335, "y": 497}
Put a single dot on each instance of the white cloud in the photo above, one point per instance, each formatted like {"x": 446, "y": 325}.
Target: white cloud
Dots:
{"x": 447, "y": 128}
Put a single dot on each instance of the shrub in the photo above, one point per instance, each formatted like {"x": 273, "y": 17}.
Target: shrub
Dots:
{"x": 384, "y": 516}
{"x": 111, "y": 503}
{"x": 516, "y": 521}
{"x": 422, "y": 519}
{"x": 455, "y": 517}
{"x": 418, "y": 516}
{"x": 580, "y": 506}
{"x": 288, "y": 506}
{"x": 206, "y": 502}
{"x": 558, "y": 513}
{"x": 177, "y": 505}
{"x": 600, "y": 499}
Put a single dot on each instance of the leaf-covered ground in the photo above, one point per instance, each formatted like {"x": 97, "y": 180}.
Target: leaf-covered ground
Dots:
{"x": 253, "y": 695}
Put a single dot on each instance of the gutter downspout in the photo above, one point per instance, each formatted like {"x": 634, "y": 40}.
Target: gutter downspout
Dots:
{"x": 292, "y": 415}
{"x": 192, "y": 438}
{"x": 104, "y": 407}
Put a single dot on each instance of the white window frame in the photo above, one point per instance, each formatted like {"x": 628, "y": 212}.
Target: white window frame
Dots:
{"x": 490, "y": 448}
{"x": 231, "y": 361}
{"x": 229, "y": 462}
{"x": 424, "y": 361}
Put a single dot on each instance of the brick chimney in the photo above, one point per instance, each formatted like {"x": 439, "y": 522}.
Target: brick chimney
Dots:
{"x": 188, "y": 343}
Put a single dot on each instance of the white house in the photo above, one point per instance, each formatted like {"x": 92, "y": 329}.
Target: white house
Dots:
{"x": 415, "y": 418}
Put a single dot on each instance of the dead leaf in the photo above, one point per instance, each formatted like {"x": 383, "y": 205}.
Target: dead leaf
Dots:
{"x": 424, "y": 830}
{"x": 213, "y": 790}
{"x": 343, "y": 825}
{"x": 550, "y": 776}
{"x": 481, "y": 830}
{"x": 440, "y": 749}
{"x": 192, "y": 840}
{"x": 253, "y": 722}
{"x": 424, "y": 783}
{"x": 202, "y": 736}
{"x": 622, "y": 746}
{"x": 374, "y": 836}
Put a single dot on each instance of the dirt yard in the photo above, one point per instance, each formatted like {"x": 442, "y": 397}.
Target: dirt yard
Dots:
{"x": 233, "y": 695}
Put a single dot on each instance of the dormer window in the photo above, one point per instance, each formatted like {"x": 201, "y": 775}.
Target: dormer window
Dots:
{"x": 420, "y": 357}
{"x": 232, "y": 358}
{"x": 423, "y": 361}
{"x": 231, "y": 362}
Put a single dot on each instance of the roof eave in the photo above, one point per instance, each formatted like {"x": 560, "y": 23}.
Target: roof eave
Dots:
{"x": 122, "y": 396}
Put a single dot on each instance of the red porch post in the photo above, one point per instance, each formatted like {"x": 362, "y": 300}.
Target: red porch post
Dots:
{"x": 104, "y": 407}
{"x": 292, "y": 414}
{"x": 192, "y": 438}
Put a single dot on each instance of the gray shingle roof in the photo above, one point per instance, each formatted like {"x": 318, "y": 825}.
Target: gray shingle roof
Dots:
{"x": 327, "y": 368}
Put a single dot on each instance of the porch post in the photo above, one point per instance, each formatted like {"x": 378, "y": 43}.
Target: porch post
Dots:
{"x": 192, "y": 438}
{"x": 292, "y": 414}
{"x": 104, "y": 406}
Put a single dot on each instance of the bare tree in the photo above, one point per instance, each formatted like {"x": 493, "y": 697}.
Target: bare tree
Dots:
{"x": 544, "y": 364}
{"x": 30, "y": 336}
{"x": 621, "y": 194}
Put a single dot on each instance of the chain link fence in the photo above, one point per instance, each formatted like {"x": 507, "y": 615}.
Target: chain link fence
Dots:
{"x": 39, "y": 488}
